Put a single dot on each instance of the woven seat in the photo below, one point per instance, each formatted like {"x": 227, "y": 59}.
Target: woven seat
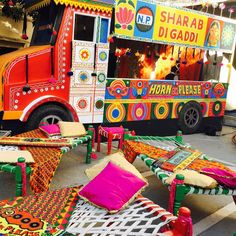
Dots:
{"x": 67, "y": 214}
{"x": 47, "y": 159}
{"x": 111, "y": 133}
{"x": 151, "y": 148}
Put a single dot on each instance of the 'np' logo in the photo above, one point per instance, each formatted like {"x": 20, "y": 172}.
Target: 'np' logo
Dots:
{"x": 144, "y": 19}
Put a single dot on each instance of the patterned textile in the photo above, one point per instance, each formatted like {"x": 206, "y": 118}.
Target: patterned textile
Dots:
{"x": 133, "y": 148}
{"x": 40, "y": 142}
{"x": 163, "y": 175}
{"x": 16, "y": 222}
{"x": 54, "y": 207}
{"x": 46, "y": 161}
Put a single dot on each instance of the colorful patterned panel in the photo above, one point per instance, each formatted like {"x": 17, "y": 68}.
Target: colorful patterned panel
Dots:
{"x": 117, "y": 89}
{"x": 84, "y": 53}
{"x": 216, "y": 108}
{"x": 139, "y": 111}
{"x": 82, "y": 103}
{"x": 219, "y": 90}
{"x": 101, "y": 79}
{"x": 16, "y": 222}
{"x": 163, "y": 99}
{"x": 81, "y": 78}
{"x": 161, "y": 110}
{"x": 205, "y": 108}
{"x": 115, "y": 112}
{"x": 177, "y": 106}
{"x": 139, "y": 89}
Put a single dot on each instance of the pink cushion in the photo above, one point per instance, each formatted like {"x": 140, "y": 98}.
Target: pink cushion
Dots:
{"x": 114, "y": 130}
{"x": 113, "y": 188}
{"x": 221, "y": 176}
{"x": 50, "y": 130}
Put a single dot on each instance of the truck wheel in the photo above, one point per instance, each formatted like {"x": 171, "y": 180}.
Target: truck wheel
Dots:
{"x": 190, "y": 117}
{"x": 48, "y": 114}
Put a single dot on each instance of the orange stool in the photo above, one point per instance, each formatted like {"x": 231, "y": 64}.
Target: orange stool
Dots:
{"x": 110, "y": 133}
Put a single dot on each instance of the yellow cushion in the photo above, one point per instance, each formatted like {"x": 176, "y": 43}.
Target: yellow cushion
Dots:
{"x": 10, "y": 156}
{"x": 194, "y": 178}
{"x": 118, "y": 159}
{"x": 71, "y": 129}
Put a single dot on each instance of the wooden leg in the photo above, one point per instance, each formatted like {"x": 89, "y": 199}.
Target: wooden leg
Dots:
{"x": 121, "y": 140}
{"x": 20, "y": 177}
{"x": 179, "y": 197}
{"x": 177, "y": 193}
{"x": 89, "y": 147}
{"x": 99, "y": 140}
{"x": 109, "y": 142}
{"x": 94, "y": 136}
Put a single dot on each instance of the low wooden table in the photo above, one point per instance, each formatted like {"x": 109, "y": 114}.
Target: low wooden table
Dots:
{"x": 46, "y": 160}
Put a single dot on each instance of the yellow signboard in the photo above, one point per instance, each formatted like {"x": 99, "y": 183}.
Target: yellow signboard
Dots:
{"x": 175, "y": 25}
{"x": 152, "y": 22}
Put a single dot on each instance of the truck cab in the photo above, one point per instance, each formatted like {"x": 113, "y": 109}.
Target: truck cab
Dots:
{"x": 68, "y": 55}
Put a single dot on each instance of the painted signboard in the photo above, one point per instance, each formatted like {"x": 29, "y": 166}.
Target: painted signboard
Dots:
{"x": 147, "y": 21}
{"x": 132, "y": 100}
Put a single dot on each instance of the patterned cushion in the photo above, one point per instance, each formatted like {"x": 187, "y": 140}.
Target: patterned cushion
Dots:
{"x": 113, "y": 189}
{"x": 194, "y": 178}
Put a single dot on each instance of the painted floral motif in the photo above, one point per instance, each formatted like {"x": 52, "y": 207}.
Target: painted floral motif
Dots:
{"x": 84, "y": 54}
{"x": 124, "y": 17}
{"x": 102, "y": 56}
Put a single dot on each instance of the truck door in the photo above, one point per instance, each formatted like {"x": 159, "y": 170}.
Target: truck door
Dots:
{"x": 90, "y": 50}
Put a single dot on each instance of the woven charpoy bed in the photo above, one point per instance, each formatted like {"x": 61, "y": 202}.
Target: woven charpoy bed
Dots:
{"x": 47, "y": 155}
{"x": 154, "y": 151}
{"x": 62, "y": 212}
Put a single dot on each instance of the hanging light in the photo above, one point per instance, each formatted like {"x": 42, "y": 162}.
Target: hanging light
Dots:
{"x": 222, "y": 7}
{"x": 214, "y": 6}
{"x": 231, "y": 11}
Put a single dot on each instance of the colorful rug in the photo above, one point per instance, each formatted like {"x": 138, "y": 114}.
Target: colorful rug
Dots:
{"x": 54, "y": 207}
{"x": 46, "y": 160}
{"x": 169, "y": 160}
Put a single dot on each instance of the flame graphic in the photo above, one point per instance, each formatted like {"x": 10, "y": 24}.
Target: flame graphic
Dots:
{"x": 162, "y": 67}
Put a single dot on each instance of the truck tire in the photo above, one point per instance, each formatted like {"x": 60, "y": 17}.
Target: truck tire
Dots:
{"x": 190, "y": 117}
{"x": 48, "y": 114}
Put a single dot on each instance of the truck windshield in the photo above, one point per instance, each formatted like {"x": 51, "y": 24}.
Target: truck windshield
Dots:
{"x": 45, "y": 24}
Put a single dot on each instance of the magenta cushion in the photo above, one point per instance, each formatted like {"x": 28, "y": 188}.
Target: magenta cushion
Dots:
{"x": 113, "y": 188}
{"x": 221, "y": 176}
{"x": 50, "y": 130}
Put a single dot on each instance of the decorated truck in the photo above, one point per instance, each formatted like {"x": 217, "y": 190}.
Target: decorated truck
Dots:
{"x": 130, "y": 62}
